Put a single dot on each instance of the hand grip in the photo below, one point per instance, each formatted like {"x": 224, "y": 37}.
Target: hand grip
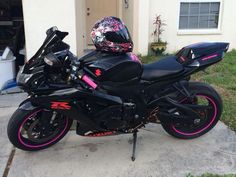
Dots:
{"x": 89, "y": 82}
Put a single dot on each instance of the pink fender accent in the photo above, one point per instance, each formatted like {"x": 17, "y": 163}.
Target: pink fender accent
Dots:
{"x": 210, "y": 57}
{"x": 199, "y": 131}
{"x": 134, "y": 57}
{"x": 89, "y": 82}
{"x": 42, "y": 145}
{"x": 182, "y": 58}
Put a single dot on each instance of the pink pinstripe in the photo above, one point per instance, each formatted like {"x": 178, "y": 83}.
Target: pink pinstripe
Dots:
{"x": 42, "y": 145}
{"x": 199, "y": 131}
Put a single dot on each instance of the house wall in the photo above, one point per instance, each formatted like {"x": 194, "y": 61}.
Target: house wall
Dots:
{"x": 39, "y": 16}
{"x": 143, "y": 26}
{"x": 136, "y": 18}
{"x": 81, "y": 33}
{"x": 127, "y": 15}
{"x": 169, "y": 11}
{"x": 129, "y": 19}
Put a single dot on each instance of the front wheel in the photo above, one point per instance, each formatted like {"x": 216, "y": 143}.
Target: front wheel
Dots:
{"x": 210, "y": 100}
{"x": 37, "y": 129}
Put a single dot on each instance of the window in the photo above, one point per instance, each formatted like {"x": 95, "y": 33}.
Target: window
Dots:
{"x": 199, "y": 15}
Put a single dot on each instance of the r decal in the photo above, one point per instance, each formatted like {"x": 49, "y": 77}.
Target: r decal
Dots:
{"x": 60, "y": 105}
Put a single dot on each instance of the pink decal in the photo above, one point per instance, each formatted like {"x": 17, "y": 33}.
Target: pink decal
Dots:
{"x": 210, "y": 57}
{"x": 199, "y": 131}
{"x": 182, "y": 58}
{"x": 183, "y": 100}
{"x": 42, "y": 145}
{"x": 89, "y": 82}
{"x": 134, "y": 57}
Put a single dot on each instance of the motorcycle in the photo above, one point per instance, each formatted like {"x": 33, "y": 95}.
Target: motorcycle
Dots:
{"x": 111, "y": 94}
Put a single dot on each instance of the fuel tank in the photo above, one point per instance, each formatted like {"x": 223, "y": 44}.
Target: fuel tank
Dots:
{"x": 112, "y": 67}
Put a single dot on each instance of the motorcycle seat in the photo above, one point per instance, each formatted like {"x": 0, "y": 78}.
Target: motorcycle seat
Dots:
{"x": 164, "y": 68}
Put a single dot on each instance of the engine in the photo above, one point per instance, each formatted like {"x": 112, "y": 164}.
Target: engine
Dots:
{"x": 115, "y": 117}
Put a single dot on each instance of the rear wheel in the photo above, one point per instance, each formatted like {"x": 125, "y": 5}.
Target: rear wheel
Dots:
{"x": 37, "y": 129}
{"x": 209, "y": 115}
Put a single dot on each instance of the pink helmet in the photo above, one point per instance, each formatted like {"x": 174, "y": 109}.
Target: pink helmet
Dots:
{"x": 111, "y": 35}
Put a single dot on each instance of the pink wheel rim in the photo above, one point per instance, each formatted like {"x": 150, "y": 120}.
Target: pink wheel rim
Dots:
{"x": 42, "y": 145}
{"x": 208, "y": 125}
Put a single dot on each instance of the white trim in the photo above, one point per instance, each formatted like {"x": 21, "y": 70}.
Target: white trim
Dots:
{"x": 143, "y": 20}
{"x": 199, "y": 32}
{"x": 200, "y": 1}
{"x": 119, "y": 7}
{"x": 217, "y": 31}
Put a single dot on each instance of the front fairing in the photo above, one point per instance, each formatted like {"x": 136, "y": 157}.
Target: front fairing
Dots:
{"x": 53, "y": 43}
{"x": 32, "y": 80}
{"x": 33, "y": 75}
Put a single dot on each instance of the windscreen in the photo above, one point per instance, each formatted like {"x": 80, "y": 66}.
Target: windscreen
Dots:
{"x": 53, "y": 43}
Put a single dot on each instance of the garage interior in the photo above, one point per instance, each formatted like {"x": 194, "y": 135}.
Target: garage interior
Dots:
{"x": 12, "y": 30}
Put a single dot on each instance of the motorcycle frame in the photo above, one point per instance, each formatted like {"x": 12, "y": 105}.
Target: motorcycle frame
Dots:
{"x": 68, "y": 99}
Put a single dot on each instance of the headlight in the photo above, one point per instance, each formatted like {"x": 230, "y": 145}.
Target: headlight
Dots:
{"x": 48, "y": 62}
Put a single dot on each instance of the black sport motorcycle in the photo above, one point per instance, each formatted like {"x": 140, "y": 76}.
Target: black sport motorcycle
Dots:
{"x": 111, "y": 94}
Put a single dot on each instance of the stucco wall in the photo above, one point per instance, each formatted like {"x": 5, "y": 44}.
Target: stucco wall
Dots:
{"x": 40, "y": 15}
{"x": 80, "y": 8}
{"x": 143, "y": 24}
{"x": 136, "y": 18}
{"x": 69, "y": 16}
{"x": 127, "y": 15}
{"x": 169, "y": 10}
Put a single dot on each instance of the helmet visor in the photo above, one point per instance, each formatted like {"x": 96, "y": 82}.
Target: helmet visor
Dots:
{"x": 121, "y": 36}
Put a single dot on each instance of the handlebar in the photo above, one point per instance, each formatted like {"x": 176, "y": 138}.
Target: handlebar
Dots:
{"x": 78, "y": 74}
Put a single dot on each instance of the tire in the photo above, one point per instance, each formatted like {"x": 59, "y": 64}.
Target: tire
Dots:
{"x": 18, "y": 121}
{"x": 210, "y": 94}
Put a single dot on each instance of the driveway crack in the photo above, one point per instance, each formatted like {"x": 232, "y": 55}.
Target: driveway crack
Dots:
{"x": 9, "y": 162}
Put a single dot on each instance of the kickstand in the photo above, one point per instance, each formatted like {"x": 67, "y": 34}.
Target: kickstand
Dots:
{"x": 134, "y": 144}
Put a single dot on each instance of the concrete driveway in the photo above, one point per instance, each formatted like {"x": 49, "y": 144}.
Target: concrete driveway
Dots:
{"x": 158, "y": 154}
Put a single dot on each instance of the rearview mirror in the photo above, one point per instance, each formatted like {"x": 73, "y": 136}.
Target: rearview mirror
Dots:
{"x": 51, "y": 30}
{"x": 52, "y": 60}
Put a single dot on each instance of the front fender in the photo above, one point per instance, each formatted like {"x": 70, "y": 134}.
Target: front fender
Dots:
{"x": 27, "y": 105}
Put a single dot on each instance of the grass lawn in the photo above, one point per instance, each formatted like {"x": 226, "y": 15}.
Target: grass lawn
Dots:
{"x": 222, "y": 77}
